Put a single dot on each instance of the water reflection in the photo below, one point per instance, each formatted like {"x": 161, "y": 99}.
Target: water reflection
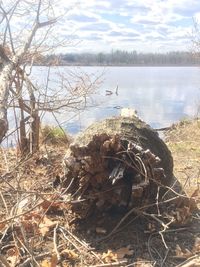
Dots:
{"x": 161, "y": 95}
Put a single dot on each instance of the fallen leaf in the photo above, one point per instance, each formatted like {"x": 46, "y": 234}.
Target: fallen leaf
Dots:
{"x": 12, "y": 260}
{"x": 54, "y": 260}
{"x": 196, "y": 248}
{"x": 195, "y": 193}
{"x": 29, "y": 226}
{"x": 46, "y": 225}
{"x": 109, "y": 256}
{"x": 2, "y": 226}
{"x": 32, "y": 216}
{"x": 12, "y": 252}
{"x": 22, "y": 204}
{"x": 124, "y": 251}
{"x": 69, "y": 254}
{"x": 53, "y": 206}
{"x": 45, "y": 263}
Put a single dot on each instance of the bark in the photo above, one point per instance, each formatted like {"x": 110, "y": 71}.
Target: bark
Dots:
{"x": 120, "y": 165}
{"x": 5, "y": 83}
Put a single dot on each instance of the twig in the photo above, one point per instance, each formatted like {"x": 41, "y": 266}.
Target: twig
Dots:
{"x": 190, "y": 262}
{"x": 68, "y": 239}
{"x": 76, "y": 238}
{"x": 157, "y": 201}
{"x": 4, "y": 202}
{"x": 166, "y": 254}
{"x": 165, "y": 226}
{"x": 150, "y": 248}
{"x": 119, "y": 223}
{"x": 119, "y": 263}
{"x": 19, "y": 215}
{"x": 55, "y": 242}
{"x": 27, "y": 262}
{"x": 32, "y": 258}
{"x": 83, "y": 244}
{"x": 26, "y": 245}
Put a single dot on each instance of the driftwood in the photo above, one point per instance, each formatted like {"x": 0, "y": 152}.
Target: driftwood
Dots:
{"x": 117, "y": 164}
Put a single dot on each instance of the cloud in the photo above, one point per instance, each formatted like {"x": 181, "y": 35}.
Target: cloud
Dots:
{"x": 102, "y": 27}
{"x": 129, "y": 25}
{"x": 93, "y": 38}
{"x": 122, "y": 33}
{"x": 82, "y": 18}
{"x": 147, "y": 21}
{"x": 130, "y": 39}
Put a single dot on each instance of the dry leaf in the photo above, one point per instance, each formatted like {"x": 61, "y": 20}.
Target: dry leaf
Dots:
{"x": 2, "y": 226}
{"x": 196, "y": 247}
{"x": 32, "y": 216}
{"x": 29, "y": 226}
{"x": 109, "y": 256}
{"x": 12, "y": 260}
{"x": 12, "y": 252}
{"x": 178, "y": 251}
{"x": 22, "y": 204}
{"x": 195, "y": 193}
{"x": 124, "y": 251}
{"x": 13, "y": 256}
{"x": 54, "y": 260}
{"x": 45, "y": 263}
{"x": 69, "y": 254}
{"x": 53, "y": 206}
{"x": 46, "y": 225}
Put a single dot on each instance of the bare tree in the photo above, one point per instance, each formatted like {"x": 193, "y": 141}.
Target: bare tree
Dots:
{"x": 22, "y": 44}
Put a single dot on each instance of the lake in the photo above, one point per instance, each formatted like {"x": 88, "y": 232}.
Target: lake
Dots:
{"x": 161, "y": 95}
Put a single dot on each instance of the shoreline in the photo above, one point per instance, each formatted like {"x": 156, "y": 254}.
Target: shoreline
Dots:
{"x": 151, "y": 66}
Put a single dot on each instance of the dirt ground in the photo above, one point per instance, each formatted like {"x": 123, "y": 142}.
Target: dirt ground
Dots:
{"x": 38, "y": 226}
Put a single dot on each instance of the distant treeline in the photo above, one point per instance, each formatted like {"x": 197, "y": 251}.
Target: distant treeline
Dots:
{"x": 124, "y": 58}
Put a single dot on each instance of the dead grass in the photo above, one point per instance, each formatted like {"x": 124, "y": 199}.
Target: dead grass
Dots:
{"x": 184, "y": 142}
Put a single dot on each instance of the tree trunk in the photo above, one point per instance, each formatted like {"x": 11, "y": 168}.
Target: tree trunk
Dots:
{"x": 5, "y": 83}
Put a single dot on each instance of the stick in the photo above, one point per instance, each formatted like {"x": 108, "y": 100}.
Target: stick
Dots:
{"x": 119, "y": 263}
{"x": 27, "y": 262}
{"x": 84, "y": 245}
{"x": 55, "y": 242}
{"x": 119, "y": 223}
{"x": 19, "y": 215}
{"x": 191, "y": 262}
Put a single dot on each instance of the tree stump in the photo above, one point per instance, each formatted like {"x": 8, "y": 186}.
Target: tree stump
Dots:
{"x": 116, "y": 164}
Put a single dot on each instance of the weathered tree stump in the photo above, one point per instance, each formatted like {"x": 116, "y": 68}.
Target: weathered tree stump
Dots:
{"x": 117, "y": 163}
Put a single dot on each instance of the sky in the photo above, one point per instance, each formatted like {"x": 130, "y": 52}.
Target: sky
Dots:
{"x": 142, "y": 25}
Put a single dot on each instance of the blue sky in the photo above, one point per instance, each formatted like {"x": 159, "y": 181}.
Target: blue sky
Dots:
{"x": 142, "y": 25}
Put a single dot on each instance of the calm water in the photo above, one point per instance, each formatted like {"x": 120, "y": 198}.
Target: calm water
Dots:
{"x": 161, "y": 95}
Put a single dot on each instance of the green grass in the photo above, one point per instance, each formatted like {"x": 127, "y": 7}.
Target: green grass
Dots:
{"x": 54, "y": 135}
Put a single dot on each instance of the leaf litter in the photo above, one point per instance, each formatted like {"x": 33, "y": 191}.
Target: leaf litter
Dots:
{"x": 38, "y": 225}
